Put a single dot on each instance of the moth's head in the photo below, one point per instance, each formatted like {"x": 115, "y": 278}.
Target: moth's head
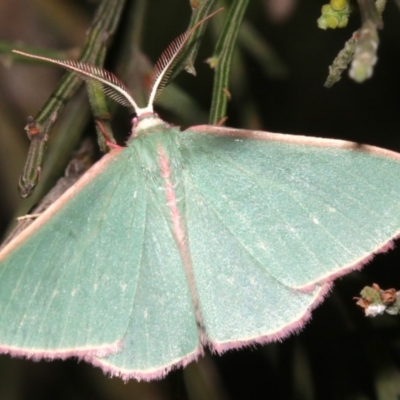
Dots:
{"x": 145, "y": 121}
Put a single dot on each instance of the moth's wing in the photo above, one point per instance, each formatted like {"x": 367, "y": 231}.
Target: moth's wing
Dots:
{"x": 86, "y": 272}
{"x": 273, "y": 219}
{"x": 162, "y": 332}
{"x": 66, "y": 287}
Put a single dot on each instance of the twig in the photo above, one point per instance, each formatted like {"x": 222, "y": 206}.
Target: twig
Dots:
{"x": 222, "y": 59}
{"x": 104, "y": 25}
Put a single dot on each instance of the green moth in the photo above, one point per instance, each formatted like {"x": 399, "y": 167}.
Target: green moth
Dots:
{"x": 211, "y": 237}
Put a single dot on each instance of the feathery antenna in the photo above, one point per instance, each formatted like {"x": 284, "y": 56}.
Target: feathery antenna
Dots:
{"x": 113, "y": 87}
{"x": 110, "y": 84}
{"x": 163, "y": 67}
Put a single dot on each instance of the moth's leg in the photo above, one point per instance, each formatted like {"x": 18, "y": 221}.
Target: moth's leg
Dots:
{"x": 109, "y": 143}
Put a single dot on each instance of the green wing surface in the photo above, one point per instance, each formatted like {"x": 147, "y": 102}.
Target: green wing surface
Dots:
{"x": 103, "y": 262}
{"x": 273, "y": 219}
{"x": 162, "y": 330}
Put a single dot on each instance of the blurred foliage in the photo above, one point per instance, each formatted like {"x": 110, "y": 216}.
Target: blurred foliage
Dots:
{"x": 334, "y": 15}
{"x": 375, "y": 301}
{"x": 361, "y": 49}
{"x": 278, "y": 68}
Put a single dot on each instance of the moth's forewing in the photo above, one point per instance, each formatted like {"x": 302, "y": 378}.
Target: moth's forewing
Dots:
{"x": 55, "y": 286}
{"x": 273, "y": 219}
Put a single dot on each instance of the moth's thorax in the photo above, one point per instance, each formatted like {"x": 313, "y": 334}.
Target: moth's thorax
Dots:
{"x": 157, "y": 150}
{"x": 145, "y": 123}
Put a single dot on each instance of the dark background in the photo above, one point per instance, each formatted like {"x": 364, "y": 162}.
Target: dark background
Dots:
{"x": 340, "y": 354}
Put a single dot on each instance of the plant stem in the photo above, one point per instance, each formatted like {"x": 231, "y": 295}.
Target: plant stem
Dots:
{"x": 104, "y": 25}
{"x": 222, "y": 60}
